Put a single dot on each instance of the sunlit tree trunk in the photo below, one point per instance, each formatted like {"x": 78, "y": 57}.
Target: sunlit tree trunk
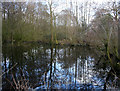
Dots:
{"x": 56, "y": 42}
{"x": 71, "y": 6}
{"x": 65, "y": 26}
{"x": 76, "y": 32}
{"x": 89, "y": 12}
{"x": 51, "y": 20}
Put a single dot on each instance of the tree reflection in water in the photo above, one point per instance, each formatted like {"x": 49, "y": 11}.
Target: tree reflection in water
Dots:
{"x": 61, "y": 67}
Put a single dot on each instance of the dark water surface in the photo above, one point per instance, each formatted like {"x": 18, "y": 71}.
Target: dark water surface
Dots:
{"x": 60, "y": 67}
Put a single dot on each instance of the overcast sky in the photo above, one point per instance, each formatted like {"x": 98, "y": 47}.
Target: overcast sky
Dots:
{"x": 62, "y": 3}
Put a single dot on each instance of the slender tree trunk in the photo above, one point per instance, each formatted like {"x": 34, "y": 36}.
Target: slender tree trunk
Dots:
{"x": 119, "y": 29}
{"x": 51, "y": 22}
{"x": 56, "y": 42}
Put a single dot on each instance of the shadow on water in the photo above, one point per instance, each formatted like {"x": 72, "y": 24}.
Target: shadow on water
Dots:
{"x": 61, "y": 67}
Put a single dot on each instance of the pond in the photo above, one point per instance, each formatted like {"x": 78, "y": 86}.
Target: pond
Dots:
{"x": 39, "y": 66}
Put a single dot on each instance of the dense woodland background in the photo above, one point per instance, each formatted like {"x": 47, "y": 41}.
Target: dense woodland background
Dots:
{"x": 87, "y": 23}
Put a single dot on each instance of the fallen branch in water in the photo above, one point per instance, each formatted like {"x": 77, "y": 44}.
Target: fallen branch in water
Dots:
{"x": 20, "y": 85}
{"x": 8, "y": 69}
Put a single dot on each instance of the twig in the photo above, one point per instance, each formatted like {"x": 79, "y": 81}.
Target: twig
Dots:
{"x": 115, "y": 75}
{"x": 8, "y": 69}
{"x": 10, "y": 83}
{"x": 15, "y": 82}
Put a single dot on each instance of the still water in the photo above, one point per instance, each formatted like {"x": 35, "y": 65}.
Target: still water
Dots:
{"x": 62, "y": 67}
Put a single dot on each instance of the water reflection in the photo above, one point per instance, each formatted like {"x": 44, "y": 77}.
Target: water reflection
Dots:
{"x": 61, "y": 67}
